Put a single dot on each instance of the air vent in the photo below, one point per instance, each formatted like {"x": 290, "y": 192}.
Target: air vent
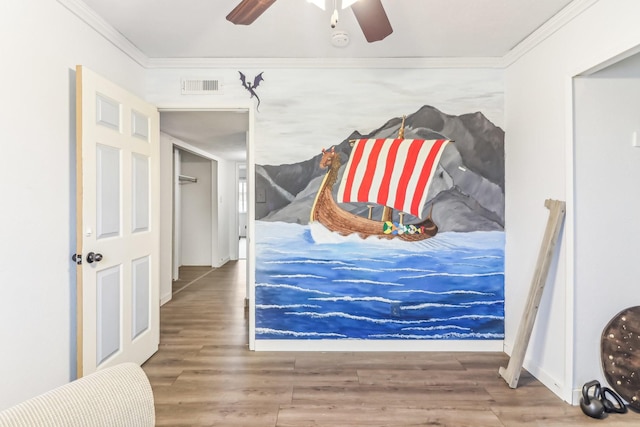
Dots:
{"x": 201, "y": 87}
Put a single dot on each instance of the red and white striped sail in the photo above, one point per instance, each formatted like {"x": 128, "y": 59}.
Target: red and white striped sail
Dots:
{"x": 391, "y": 172}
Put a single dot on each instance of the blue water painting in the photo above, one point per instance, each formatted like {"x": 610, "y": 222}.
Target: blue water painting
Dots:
{"x": 315, "y": 284}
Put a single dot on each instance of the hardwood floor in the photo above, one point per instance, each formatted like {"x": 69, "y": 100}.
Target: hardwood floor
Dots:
{"x": 188, "y": 275}
{"x": 204, "y": 375}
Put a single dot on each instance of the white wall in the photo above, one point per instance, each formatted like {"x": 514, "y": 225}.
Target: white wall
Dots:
{"x": 41, "y": 44}
{"x": 176, "y": 241}
{"x": 166, "y": 219}
{"x": 242, "y": 217}
{"x": 607, "y": 202}
{"x": 227, "y": 209}
{"x": 196, "y": 212}
{"x": 539, "y": 165}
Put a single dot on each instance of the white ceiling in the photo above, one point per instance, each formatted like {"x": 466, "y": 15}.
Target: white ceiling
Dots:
{"x": 221, "y": 133}
{"x": 297, "y": 29}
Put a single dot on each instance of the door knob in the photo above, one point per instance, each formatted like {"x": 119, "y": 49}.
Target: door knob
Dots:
{"x": 91, "y": 257}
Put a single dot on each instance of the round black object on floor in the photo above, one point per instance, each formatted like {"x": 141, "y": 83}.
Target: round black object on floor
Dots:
{"x": 620, "y": 353}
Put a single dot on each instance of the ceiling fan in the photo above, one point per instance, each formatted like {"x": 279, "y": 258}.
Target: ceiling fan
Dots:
{"x": 370, "y": 15}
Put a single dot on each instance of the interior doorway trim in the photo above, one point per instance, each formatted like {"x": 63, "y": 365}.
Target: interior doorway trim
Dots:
{"x": 250, "y": 165}
{"x": 571, "y": 391}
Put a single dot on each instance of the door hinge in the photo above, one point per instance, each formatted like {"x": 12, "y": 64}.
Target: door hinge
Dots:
{"x": 77, "y": 258}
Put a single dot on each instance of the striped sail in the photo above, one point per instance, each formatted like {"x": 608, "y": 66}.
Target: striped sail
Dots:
{"x": 391, "y": 172}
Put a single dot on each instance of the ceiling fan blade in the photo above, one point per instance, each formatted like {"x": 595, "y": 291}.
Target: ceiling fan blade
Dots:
{"x": 248, "y": 11}
{"x": 372, "y": 19}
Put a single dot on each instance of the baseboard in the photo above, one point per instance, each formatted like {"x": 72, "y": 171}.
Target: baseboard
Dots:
{"x": 557, "y": 387}
{"x": 165, "y": 299}
{"x": 378, "y": 345}
{"x": 548, "y": 380}
{"x": 222, "y": 262}
{"x": 576, "y": 395}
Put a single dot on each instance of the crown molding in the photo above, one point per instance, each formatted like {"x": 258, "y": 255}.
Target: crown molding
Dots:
{"x": 95, "y": 21}
{"x": 325, "y": 62}
{"x": 91, "y": 18}
{"x": 559, "y": 20}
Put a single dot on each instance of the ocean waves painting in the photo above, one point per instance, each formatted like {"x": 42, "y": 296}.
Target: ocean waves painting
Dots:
{"x": 315, "y": 284}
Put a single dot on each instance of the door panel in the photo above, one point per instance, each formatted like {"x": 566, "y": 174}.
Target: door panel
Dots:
{"x": 107, "y": 112}
{"x": 141, "y": 288}
{"x": 108, "y": 283}
{"x": 118, "y": 223}
{"x": 140, "y": 125}
{"x": 140, "y": 190}
{"x": 107, "y": 191}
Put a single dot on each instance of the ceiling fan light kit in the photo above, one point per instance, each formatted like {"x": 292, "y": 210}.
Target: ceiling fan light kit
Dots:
{"x": 322, "y": 3}
{"x": 370, "y": 15}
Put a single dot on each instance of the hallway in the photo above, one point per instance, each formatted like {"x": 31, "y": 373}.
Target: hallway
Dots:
{"x": 204, "y": 375}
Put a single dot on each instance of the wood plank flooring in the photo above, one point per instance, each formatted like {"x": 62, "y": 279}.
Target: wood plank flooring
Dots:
{"x": 204, "y": 375}
{"x": 188, "y": 275}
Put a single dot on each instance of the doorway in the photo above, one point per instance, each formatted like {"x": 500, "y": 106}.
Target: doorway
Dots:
{"x": 606, "y": 174}
{"x": 194, "y": 234}
{"x": 202, "y": 150}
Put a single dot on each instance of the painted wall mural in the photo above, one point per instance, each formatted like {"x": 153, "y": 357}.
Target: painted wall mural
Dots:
{"x": 393, "y": 234}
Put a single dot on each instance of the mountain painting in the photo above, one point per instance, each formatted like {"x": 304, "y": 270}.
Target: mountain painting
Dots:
{"x": 397, "y": 234}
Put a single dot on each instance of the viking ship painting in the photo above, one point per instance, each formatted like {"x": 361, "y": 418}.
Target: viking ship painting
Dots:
{"x": 394, "y": 173}
{"x": 424, "y": 262}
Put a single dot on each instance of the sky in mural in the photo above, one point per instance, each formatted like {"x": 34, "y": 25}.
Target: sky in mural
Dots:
{"x": 302, "y": 110}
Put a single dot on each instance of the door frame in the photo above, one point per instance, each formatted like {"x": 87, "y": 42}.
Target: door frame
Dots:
{"x": 241, "y": 167}
{"x": 181, "y": 150}
{"x": 166, "y": 234}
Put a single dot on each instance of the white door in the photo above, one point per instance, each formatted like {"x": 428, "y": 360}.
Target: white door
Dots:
{"x": 118, "y": 221}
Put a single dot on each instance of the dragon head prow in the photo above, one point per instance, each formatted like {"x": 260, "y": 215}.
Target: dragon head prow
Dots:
{"x": 327, "y": 157}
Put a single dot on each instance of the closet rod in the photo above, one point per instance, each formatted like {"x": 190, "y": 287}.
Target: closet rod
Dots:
{"x": 185, "y": 178}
